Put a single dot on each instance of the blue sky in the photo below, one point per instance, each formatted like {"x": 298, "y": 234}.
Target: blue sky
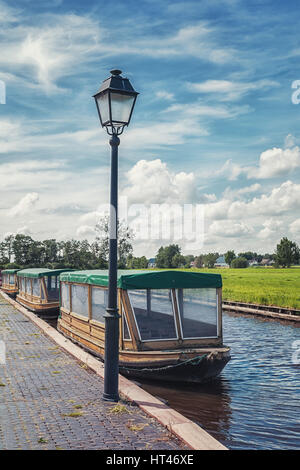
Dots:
{"x": 214, "y": 123}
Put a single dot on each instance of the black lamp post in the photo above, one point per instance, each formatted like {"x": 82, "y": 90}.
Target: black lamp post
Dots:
{"x": 115, "y": 102}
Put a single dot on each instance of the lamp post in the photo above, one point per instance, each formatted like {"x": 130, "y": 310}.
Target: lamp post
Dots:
{"x": 115, "y": 102}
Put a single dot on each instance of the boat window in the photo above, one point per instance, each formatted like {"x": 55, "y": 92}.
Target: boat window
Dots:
{"x": 126, "y": 334}
{"x": 22, "y": 284}
{"x": 153, "y": 310}
{"x": 65, "y": 296}
{"x": 53, "y": 282}
{"x": 27, "y": 286}
{"x": 99, "y": 304}
{"x": 198, "y": 310}
{"x": 80, "y": 302}
{"x": 36, "y": 287}
{"x": 12, "y": 279}
{"x": 52, "y": 287}
{"x": 4, "y": 278}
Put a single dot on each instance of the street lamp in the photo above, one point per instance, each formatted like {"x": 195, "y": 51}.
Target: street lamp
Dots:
{"x": 115, "y": 102}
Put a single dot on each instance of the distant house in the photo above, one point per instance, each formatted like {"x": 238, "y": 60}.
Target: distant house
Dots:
{"x": 221, "y": 263}
{"x": 151, "y": 263}
{"x": 193, "y": 264}
{"x": 267, "y": 262}
{"x": 253, "y": 262}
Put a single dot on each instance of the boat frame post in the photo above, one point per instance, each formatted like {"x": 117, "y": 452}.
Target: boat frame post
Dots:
{"x": 111, "y": 361}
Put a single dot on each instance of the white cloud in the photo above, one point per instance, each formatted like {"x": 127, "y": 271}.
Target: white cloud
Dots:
{"x": 25, "y": 205}
{"x": 227, "y": 228}
{"x": 8, "y": 14}
{"x": 281, "y": 200}
{"x": 198, "y": 110}
{"x": 24, "y": 230}
{"x": 52, "y": 49}
{"x": 271, "y": 227}
{"x": 57, "y": 44}
{"x": 230, "y": 170}
{"x": 157, "y": 135}
{"x": 234, "y": 194}
{"x": 295, "y": 227}
{"x": 228, "y": 90}
{"x": 164, "y": 95}
{"x": 275, "y": 162}
{"x": 152, "y": 182}
{"x": 85, "y": 231}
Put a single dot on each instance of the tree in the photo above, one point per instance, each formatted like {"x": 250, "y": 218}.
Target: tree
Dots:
{"x": 6, "y": 250}
{"x": 199, "y": 261}
{"x": 51, "y": 250}
{"x": 239, "y": 262}
{"x": 210, "y": 259}
{"x": 178, "y": 261}
{"x": 169, "y": 257}
{"x": 249, "y": 255}
{"x": 25, "y": 250}
{"x": 125, "y": 237}
{"x": 287, "y": 253}
{"x": 136, "y": 263}
{"x": 229, "y": 257}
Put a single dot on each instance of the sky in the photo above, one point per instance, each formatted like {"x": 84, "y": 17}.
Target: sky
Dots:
{"x": 215, "y": 126}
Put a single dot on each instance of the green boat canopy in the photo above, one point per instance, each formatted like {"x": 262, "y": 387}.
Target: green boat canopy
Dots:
{"x": 40, "y": 272}
{"x": 131, "y": 279}
{"x": 10, "y": 271}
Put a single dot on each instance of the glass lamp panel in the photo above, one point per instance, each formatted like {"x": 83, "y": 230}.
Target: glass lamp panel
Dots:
{"x": 121, "y": 106}
{"x": 103, "y": 106}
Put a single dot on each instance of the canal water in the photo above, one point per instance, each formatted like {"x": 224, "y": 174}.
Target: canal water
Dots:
{"x": 255, "y": 403}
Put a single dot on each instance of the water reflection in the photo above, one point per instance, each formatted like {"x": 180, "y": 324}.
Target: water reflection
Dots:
{"x": 211, "y": 402}
{"x": 255, "y": 402}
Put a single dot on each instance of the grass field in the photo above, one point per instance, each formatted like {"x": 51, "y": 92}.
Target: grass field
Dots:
{"x": 267, "y": 286}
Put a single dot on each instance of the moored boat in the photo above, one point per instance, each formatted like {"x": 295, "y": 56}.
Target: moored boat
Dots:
{"x": 170, "y": 321}
{"x": 39, "y": 290}
{"x": 10, "y": 281}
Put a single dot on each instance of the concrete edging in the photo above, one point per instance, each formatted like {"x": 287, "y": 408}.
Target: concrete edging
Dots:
{"x": 183, "y": 428}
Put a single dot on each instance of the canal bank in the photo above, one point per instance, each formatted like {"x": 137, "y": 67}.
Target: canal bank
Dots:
{"x": 51, "y": 397}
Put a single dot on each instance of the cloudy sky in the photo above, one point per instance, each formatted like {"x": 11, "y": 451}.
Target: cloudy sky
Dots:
{"x": 214, "y": 125}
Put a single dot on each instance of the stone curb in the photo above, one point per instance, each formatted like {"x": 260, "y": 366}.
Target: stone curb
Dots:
{"x": 183, "y": 428}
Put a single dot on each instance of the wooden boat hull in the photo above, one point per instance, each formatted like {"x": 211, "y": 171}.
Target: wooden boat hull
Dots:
{"x": 194, "y": 365}
{"x": 10, "y": 292}
{"x": 44, "y": 310}
{"x": 198, "y": 371}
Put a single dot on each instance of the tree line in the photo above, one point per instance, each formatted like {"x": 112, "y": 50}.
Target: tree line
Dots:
{"x": 286, "y": 254}
{"x": 22, "y": 251}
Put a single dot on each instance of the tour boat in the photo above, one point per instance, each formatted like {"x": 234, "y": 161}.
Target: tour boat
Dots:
{"x": 170, "y": 321}
{"x": 10, "y": 282}
{"x": 39, "y": 290}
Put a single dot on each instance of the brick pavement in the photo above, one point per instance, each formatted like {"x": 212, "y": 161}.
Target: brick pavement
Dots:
{"x": 48, "y": 400}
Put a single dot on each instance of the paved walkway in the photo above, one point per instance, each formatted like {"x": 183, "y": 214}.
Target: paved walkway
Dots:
{"x": 48, "y": 400}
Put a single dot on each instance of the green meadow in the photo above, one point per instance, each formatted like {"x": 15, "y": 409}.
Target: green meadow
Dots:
{"x": 267, "y": 286}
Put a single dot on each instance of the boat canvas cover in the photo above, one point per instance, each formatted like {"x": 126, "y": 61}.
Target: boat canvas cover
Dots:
{"x": 10, "y": 271}
{"x": 134, "y": 279}
{"x": 40, "y": 272}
